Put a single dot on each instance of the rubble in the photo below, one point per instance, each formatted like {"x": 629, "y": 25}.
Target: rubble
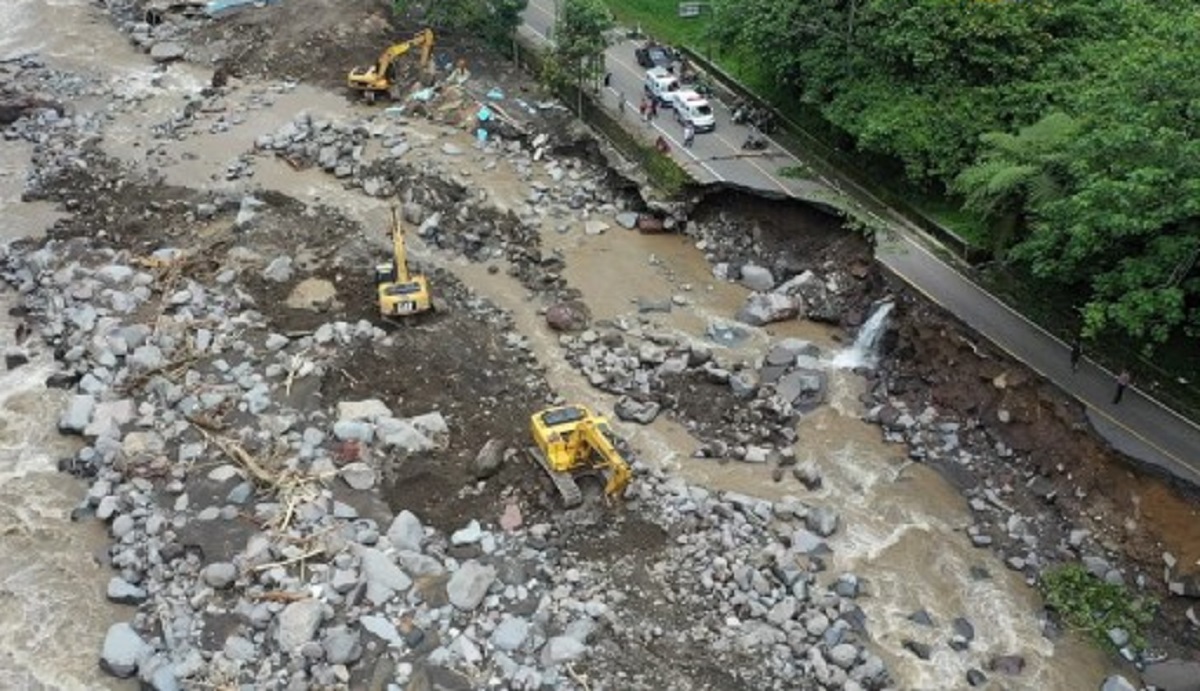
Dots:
{"x": 237, "y": 451}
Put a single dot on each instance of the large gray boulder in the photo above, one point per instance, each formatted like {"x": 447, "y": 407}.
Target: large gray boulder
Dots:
{"x": 562, "y": 649}
{"x": 123, "y": 647}
{"x": 342, "y": 645}
{"x": 757, "y": 278}
{"x": 384, "y": 579}
{"x": 1173, "y": 675}
{"x": 166, "y": 51}
{"x": 298, "y": 623}
{"x": 368, "y": 409}
{"x": 77, "y": 414}
{"x": 469, "y": 585}
{"x": 785, "y": 352}
{"x": 406, "y": 532}
{"x": 510, "y": 635}
{"x": 797, "y": 385}
{"x": 766, "y": 308}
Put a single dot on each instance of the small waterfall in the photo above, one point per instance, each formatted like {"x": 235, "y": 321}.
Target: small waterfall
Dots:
{"x": 862, "y": 352}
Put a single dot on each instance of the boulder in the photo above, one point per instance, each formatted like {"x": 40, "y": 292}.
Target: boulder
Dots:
{"x": 406, "y": 532}
{"x": 297, "y": 624}
{"x": 785, "y": 352}
{"x": 1173, "y": 675}
{"x": 757, "y": 278}
{"x": 489, "y": 459}
{"x": 627, "y": 220}
{"x": 381, "y": 628}
{"x": 403, "y": 436}
{"x": 123, "y": 647}
{"x": 77, "y": 414}
{"x": 219, "y": 575}
{"x": 358, "y": 475}
{"x": 807, "y": 385}
{"x": 368, "y": 409}
{"x": 822, "y": 521}
{"x": 570, "y": 315}
{"x": 632, "y": 410}
{"x": 469, "y": 585}
{"x": 510, "y": 635}
{"x": 1011, "y": 665}
{"x": 279, "y": 270}
{"x": 123, "y": 592}
{"x": 562, "y": 649}
{"x": 342, "y": 645}
{"x": 766, "y": 308}
{"x": 383, "y": 578}
{"x": 166, "y": 51}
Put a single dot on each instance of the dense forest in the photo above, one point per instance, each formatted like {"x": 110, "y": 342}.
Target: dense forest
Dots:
{"x": 1073, "y": 126}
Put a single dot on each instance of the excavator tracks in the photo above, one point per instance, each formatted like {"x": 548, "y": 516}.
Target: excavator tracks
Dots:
{"x": 564, "y": 482}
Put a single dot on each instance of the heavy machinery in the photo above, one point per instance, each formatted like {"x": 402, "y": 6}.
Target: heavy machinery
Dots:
{"x": 401, "y": 293}
{"x": 572, "y": 442}
{"x": 380, "y": 78}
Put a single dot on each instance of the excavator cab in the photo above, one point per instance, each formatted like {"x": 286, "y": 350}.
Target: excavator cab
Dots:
{"x": 401, "y": 293}
{"x": 571, "y": 442}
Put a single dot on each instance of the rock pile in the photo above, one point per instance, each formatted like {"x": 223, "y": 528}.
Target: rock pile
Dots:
{"x": 652, "y": 370}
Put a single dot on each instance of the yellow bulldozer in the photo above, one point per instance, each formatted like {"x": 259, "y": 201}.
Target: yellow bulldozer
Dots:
{"x": 401, "y": 293}
{"x": 573, "y": 442}
{"x": 380, "y": 79}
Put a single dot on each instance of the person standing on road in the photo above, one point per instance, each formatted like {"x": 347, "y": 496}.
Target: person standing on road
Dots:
{"x": 689, "y": 135}
{"x": 1122, "y": 383}
{"x": 653, "y": 108}
{"x": 1076, "y": 353}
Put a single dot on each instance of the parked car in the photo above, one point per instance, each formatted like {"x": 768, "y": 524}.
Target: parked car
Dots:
{"x": 660, "y": 85}
{"x": 692, "y": 107}
{"x": 653, "y": 55}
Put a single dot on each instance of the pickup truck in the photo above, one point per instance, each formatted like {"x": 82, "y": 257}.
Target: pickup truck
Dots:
{"x": 692, "y": 107}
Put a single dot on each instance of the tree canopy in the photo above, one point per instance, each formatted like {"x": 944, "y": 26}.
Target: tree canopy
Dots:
{"x": 577, "y": 56}
{"x": 493, "y": 20}
{"x": 1072, "y": 125}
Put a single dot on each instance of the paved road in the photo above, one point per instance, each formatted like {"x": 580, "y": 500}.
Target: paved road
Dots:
{"x": 1139, "y": 426}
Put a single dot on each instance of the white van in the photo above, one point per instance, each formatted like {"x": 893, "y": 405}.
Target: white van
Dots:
{"x": 694, "y": 108}
{"x": 660, "y": 84}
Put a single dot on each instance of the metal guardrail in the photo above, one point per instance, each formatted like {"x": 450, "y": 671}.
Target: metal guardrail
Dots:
{"x": 835, "y": 164}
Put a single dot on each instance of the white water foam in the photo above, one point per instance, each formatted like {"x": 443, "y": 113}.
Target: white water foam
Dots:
{"x": 862, "y": 353}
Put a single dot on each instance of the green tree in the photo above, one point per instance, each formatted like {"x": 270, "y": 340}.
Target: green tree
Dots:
{"x": 493, "y": 20}
{"x": 1128, "y": 226}
{"x": 577, "y": 56}
{"x": 1017, "y": 172}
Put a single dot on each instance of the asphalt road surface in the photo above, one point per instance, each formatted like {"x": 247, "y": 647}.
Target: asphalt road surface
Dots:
{"x": 1139, "y": 426}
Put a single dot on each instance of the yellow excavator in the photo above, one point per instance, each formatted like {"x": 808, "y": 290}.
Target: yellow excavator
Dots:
{"x": 571, "y": 442}
{"x": 401, "y": 293}
{"x": 380, "y": 78}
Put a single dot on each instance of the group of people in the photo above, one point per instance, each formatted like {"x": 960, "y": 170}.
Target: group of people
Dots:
{"x": 648, "y": 112}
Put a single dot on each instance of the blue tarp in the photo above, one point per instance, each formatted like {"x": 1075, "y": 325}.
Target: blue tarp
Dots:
{"x": 215, "y": 7}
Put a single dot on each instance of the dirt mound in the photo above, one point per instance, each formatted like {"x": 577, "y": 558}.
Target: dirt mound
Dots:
{"x": 316, "y": 41}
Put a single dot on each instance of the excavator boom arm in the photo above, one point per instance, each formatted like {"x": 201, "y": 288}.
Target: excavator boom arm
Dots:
{"x": 423, "y": 39}
{"x": 399, "y": 251}
{"x": 598, "y": 437}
